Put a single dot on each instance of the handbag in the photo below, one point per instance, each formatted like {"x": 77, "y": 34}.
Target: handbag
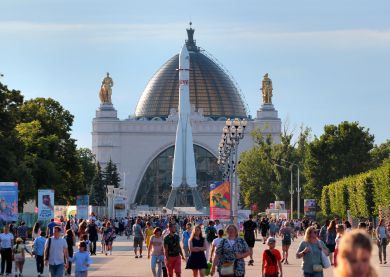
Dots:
{"x": 227, "y": 268}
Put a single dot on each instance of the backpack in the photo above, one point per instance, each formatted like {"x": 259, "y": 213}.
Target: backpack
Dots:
{"x": 211, "y": 234}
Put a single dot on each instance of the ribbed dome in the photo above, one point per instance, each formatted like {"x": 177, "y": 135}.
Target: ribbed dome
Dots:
{"x": 211, "y": 89}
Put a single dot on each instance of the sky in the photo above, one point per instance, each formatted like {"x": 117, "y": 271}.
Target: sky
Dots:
{"x": 329, "y": 60}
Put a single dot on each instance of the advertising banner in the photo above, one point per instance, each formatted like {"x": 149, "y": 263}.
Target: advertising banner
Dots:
{"x": 120, "y": 206}
{"x": 60, "y": 211}
{"x": 220, "y": 203}
{"x": 45, "y": 204}
{"x": 280, "y": 205}
{"x": 82, "y": 202}
{"x": 8, "y": 201}
{"x": 309, "y": 208}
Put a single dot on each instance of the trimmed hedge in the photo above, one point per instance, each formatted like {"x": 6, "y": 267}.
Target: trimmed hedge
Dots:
{"x": 362, "y": 194}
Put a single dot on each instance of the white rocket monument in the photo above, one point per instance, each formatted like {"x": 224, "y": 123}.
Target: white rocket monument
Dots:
{"x": 184, "y": 171}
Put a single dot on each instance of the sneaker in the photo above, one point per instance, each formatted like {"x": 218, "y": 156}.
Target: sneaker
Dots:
{"x": 136, "y": 256}
{"x": 140, "y": 256}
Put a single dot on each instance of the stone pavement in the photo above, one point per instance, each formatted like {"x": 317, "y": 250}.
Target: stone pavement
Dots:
{"x": 123, "y": 264}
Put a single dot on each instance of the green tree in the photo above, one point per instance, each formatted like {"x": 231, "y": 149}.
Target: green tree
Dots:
{"x": 111, "y": 175}
{"x": 380, "y": 153}
{"x": 88, "y": 165}
{"x": 98, "y": 188}
{"x": 49, "y": 151}
{"x": 341, "y": 151}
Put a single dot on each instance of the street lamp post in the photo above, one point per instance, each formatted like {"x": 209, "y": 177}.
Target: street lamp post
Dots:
{"x": 298, "y": 187}
{"x": 291, "y": 188}
{"x": 233, "y": 132}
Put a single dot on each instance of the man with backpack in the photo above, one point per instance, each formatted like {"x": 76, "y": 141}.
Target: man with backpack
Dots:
{"x": 211, "y": 234}
{"x": 271, "y": 266}
{"x": 56, "y": 253}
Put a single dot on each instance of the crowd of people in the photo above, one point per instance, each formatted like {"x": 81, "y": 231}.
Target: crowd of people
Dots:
{"x": 206, "y": 247}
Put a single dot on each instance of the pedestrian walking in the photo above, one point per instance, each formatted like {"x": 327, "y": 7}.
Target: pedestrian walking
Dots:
{"x": 173, "y": 251}
{"x": 138, "y": 238}
{"x": 286, "y": 233}
{"x": 215, "y": 243}
{"x": 271, "y": 265}
{"x": 149, "y": 230}
{"x": 310, "y": 249}
{"x": 21, "y": 231}
{"x": 264, "y": 227}
{"x": 211, "y": 234}
{"x": 38, "y": 251}
{"x": 36, "y": 231}
{"x": 186, "y": 237}
{"x": 6, "y": 244}
{"x": 19, "y": 253}
{"x": 331, "y": 239}
{"x": 249, "y": 235}
{"x": 70, "y": 241}
{"x": 156, "y": 252}
{"x": 108, "y": 238}
{"x": 340, "y": 232}
{"x": 82, "y": 260}
{"x": 56, "y": 253}
{"x": 230, "y": 254}
{"x": 354, "y": 256}
{"x": 92, "y": 231}
{"x": 197, "y": 259}
{"x": 382, "y": 237}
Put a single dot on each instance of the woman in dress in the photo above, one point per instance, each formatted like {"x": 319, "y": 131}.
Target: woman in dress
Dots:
{"x": 286, "y": 233}
{"x": 108, "y": 237}
{"x": 149, "y": 231}
{"x": 230, "y": 254}
{"x": 197, "y": 260}
{"x": 156, "y": 252}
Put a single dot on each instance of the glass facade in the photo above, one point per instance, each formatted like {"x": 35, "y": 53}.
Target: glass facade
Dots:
{"x": 210, "y": 89}
{"x": 156, "y": 183}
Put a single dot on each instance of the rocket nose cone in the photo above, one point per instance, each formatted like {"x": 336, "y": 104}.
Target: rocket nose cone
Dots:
{"x": 184, "y": 57}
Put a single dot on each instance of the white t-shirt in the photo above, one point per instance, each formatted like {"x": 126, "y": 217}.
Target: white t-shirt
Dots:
{"x": 5, "y": 240}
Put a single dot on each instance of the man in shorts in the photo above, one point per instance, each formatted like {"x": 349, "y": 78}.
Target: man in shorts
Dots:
{"x": 249, "y": 236}
{"x": 138, "y": 238}
{"x": 173, "y": 251}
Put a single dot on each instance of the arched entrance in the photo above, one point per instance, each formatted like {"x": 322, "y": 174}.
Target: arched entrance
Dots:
{"x": 155, "y": 185}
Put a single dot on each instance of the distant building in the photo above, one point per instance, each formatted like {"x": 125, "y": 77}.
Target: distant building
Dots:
{"x": 142, "y": 146}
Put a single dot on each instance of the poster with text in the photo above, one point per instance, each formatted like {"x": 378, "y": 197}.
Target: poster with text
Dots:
{"x": 309, "y": 208}
{"x": 220, "y": 203}
{"x": 45, "y": 204}
{"x": 82, "y": 202}
{"x": 8, "y": 201}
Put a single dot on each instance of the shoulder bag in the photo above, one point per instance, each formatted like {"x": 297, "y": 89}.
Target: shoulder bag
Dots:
{"x": 227, "y": 268}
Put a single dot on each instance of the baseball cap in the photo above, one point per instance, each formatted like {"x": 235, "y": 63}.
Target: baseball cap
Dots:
{"x": 271, "y": 240}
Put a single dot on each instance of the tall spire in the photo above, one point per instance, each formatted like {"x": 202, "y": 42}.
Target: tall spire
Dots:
{"x": 190, "y": 42}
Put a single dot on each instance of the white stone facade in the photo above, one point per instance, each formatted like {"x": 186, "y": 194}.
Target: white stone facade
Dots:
{"x": 133, "y": 143}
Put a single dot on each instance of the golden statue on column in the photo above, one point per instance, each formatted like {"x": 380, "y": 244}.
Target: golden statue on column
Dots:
{"x": 267, "y": 89}
{"x": 106, "y": 91}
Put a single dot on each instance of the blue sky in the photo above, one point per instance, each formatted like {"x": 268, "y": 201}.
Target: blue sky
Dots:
{"x": 329, "y": 60}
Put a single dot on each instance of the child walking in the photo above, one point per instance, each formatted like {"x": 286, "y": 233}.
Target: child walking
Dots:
{"x": 19, "y": 250}
{"x": 271, "y": 266}
{"x": 82, "y": 260}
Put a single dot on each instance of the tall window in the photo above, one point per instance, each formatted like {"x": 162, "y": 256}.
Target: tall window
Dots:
{"x": 156, "y": 184}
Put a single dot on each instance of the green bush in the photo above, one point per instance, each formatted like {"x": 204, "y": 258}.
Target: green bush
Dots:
{"x": 362, "y": 194}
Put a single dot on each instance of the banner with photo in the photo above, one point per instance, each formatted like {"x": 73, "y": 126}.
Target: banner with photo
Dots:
{"x": 120, "y": 206}
{"x": 309, "y": 208}
{"x": 45, "y": 204}
{"x": 220, "y": 203}
{"x": 8, "y": 201}
{"x": 280, "y": 205}
{"x": 82, "y": 202}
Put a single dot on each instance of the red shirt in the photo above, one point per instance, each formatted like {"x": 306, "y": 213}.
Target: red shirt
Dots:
{"x": 271, "y": 268}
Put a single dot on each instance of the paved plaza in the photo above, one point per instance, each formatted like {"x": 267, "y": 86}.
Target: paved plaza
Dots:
{"x": 123, "y": 264}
